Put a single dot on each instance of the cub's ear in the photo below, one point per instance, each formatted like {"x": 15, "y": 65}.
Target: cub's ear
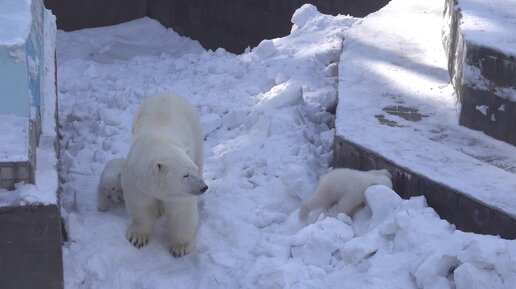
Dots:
{"x": 159, "y": 168}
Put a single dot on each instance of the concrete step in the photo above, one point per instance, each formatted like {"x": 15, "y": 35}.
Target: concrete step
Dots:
{"x": 397, "y": 109}
{"x": 480, "y": 42}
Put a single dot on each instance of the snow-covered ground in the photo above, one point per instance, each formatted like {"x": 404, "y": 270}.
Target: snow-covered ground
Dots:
{"x": 268, "y": 139}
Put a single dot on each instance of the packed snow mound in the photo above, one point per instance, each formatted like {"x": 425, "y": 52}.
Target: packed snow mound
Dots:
{"x": 267, "y": 134}
{"x": 122, "y": 42}
{"x": 268, "y": 138}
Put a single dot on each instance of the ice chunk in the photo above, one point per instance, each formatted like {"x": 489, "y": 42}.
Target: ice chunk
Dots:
{"x": 383, "y": 203}
{"x": 325, "y": 97}
{"x": 283, "y": 95}
{"x": 298, "y": 180}
{"x": 211, "y": 122}
{"x": 332, "y": 70}
{"x": 468, "y": 276}
{"x": 234, "y": 118}
{"x": 316, "y": 243}
{"x": 265, "y": 49}
{"x": 487, "y": 255}
{"x": 361, "y": 221}
{"x": 293, "y": 224}
{"x": 482, "y": 108}
{"x": 304, "y": 14}
{"x": 289, "y": 275}
{"x": 433, "y": 269}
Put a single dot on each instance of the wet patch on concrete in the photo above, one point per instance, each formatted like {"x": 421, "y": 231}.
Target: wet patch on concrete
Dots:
{"x": 407, "y": 113}
{"x": 381, "y": 118}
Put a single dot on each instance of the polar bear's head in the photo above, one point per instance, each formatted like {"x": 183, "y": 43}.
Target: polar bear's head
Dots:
{"x": 111, "y": 187}
{"x": 183, "y": 179}
{"x": 161, "y": 170}
{"x": 382, "y": 177}
{"x": 110, "y": 181}
{"x": 175, "y": 176}
{"x": 381, "y": 172}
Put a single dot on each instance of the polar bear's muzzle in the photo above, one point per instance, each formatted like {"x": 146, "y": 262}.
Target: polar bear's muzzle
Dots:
{"x": 201, "y": 189}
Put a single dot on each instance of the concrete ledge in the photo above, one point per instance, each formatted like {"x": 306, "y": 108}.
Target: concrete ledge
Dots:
{"x": 30, "y": 247}
{"x": 483, "y": 72}
{"x": 462, "y": 211}
{"x": 397, "y": 110}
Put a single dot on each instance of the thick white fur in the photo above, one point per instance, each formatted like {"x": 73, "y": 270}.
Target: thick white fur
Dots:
{"x": 164, "y": 168}
{"x": 109, "y": 190}
{"x": 344, "y": 187}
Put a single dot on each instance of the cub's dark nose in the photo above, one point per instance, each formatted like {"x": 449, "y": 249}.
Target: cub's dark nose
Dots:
{"x": 204, "y": 189}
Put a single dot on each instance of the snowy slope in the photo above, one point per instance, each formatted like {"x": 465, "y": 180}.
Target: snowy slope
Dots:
{"x": 268, "y": 139}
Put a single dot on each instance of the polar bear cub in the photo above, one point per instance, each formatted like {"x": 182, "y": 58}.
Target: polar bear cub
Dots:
{"x": 344, "y": 187}
{"x": 164, "y": 168}
{"x": 109, "y": 190}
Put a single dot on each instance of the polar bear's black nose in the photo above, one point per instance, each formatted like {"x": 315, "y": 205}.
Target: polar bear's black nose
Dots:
{"x": 204, "y": 189}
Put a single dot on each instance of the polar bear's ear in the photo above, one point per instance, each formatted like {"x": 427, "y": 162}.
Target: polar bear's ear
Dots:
{"x": 159, "y": 168}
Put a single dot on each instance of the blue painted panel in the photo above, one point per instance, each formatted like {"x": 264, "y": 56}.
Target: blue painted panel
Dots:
{"x": 21, "y": 59}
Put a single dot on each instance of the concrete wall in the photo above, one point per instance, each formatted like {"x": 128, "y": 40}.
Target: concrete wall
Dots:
{"x": 237, "y": 24}
{"x": 78, "y": 14}
{"x": 30, "y": 247}
{"x": 470, "y": 64}
{"x": 231, "y": 24}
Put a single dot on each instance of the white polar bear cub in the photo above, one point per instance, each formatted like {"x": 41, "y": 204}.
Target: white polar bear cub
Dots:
{"x": 164, "y": 168}
{"x": 344, "y": 187}
{"x": 109, "y": 190}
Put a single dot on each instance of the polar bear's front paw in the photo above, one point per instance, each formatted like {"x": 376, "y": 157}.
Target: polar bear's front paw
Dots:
{"x": 179, "y": 250}
{"x": 138, "y": 239}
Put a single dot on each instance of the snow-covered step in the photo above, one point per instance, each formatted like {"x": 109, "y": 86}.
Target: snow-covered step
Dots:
{"x": 480, "y": 40}
{"x": 397, "y": 109}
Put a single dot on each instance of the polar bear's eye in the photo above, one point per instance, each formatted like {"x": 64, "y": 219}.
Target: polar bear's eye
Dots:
{"x": 186, "y": 176}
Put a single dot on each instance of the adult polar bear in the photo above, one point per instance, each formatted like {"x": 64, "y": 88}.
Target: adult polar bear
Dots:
{"x": 164, "y": 168}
